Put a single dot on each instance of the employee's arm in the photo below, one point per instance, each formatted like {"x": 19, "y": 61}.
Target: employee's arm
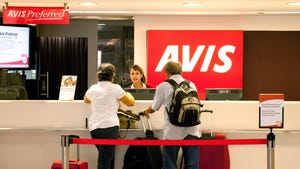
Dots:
{"x": 128, "y": 99}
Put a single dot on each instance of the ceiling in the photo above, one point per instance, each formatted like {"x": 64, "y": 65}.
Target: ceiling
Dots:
{"x": 122, "y": 8}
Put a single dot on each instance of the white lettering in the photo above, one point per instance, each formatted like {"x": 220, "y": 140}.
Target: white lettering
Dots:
{"x": 189, "y": 63}
{"x": 171, "y": 53}
{"x": 208, "y": 57}
{"x": 16, "y": 13}
{"x": 223, "y": 57}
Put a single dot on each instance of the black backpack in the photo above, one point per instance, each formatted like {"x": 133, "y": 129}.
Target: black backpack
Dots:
{"x": 185, "y": 106}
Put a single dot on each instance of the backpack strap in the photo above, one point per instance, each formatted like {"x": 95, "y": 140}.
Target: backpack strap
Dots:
{"x": 172, "y": 82}
{"x": 174, "y": 85}
{"x": 186, "y": 82}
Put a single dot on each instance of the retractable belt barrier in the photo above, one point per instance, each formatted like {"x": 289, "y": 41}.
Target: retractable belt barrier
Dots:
{"x": 66, "y": 140}
{"x": 167, "y": 142}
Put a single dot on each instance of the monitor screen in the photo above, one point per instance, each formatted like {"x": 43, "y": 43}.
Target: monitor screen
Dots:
{"x": 142, "y": 94}
{"x": 15, "y": 45}
{"x": 223, "y": 94}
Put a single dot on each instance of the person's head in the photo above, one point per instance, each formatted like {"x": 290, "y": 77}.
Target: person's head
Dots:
{"x": 173, "y": 68}
{"x": 137, "y": 74}
{"x": 106, "y": 72}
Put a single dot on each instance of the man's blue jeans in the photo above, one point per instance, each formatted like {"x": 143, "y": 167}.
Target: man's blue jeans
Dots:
{"x": 190, "y": 155}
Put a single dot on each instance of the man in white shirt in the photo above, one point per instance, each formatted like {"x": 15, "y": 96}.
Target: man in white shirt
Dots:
{"x": 163, "y": 96}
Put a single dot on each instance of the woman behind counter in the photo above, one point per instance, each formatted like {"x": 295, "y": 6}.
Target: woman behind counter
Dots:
{"x": 105, "y": 98}
{"x": 137, "y": 77}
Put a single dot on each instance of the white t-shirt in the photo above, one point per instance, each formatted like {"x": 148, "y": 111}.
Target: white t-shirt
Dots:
{"x": 132, "y": 86}
{"x": 105, "y": 102}
{"x": 163, "y": 96}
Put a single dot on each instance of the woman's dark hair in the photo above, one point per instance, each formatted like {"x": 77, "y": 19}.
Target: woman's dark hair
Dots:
{"x": 106, "y": 72}
{"x": 138, "y": 68}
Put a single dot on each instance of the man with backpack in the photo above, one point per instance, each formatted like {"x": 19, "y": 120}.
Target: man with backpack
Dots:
{"x": 176, "y": 126}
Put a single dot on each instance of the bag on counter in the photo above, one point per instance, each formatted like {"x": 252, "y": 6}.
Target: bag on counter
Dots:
{"x": 127, "y": 119}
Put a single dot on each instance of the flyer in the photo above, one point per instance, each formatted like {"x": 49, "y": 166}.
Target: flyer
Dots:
{"x": 67, "y": 87}
{"x": 271, "y": 110}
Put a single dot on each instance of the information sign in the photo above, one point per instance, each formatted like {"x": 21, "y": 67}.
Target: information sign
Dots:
{"x": 271, "y": 110}
{"x": 67, "y": 87}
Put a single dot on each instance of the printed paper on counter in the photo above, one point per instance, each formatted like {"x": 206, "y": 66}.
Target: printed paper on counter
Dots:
{"x": 271, "y": 110}
{"x": 67, "y": 87}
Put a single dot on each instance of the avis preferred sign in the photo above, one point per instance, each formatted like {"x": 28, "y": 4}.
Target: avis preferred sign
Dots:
{"x": 211, "y": 59}
{"x": 35, "y": 15}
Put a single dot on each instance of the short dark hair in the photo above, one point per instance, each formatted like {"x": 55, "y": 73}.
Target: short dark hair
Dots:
{"x": 174, "y": 68}
{"x": 106, "y": 72}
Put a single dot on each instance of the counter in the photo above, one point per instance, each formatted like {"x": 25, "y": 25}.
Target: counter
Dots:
{"x": 31, "y": 129}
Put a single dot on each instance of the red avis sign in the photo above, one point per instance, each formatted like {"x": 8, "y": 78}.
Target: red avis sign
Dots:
{"x": 210, "y": 59}
{"x": 35, "y": 15}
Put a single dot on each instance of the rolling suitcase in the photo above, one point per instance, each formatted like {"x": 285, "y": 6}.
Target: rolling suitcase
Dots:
{"x": 143, "y": 157}
{"x": 213, "y": 157}
{"x": 73, "y": 164}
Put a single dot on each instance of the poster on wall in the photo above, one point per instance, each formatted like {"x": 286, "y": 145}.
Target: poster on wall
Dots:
{"x": 67, "y": 87}
{"x": 271, "y": 110}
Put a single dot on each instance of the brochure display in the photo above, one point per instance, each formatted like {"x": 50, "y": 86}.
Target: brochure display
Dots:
{"x": 271, "y": 110}
{"x": 67, "y": 87}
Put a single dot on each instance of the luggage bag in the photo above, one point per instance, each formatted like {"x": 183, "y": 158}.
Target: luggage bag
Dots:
{"x": 213, "y": 157}
{"x": 143, "y": 157}
{"x": 73, "y": 164}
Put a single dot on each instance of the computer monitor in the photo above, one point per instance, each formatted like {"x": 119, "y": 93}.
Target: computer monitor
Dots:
{"x": 142, "y": 94}
{"x": 223, "y": 94}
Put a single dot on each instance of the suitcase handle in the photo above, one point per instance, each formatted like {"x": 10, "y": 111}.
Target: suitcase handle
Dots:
{"x": 211, "y": 123}
{"x": 141, "y": 114}
{"x": 129, "y": 114}
{"x": 206, "y": 111}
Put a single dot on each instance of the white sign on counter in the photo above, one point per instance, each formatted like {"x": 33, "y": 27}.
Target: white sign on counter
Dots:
{"x": 67, "y": 87}
{"x": 271, "y": 110}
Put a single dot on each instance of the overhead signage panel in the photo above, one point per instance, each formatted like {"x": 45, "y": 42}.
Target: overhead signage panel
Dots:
{"x": 35, "y": 15}
{"x": 210, "y": 58}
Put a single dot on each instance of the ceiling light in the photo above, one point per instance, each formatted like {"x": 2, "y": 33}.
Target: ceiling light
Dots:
{"x": 87, "y": 3}
{"x": 293, "y": 3}
{"x": 191, "y": 4}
